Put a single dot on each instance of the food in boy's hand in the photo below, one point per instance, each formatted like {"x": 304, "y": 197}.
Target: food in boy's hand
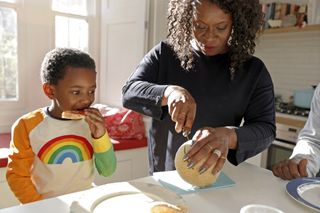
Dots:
{"x": 192, "y": 175}
{"x": 164, "y": 207}
{"x": 74, "y": 115}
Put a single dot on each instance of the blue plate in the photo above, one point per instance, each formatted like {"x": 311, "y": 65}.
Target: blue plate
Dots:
{"x": 306, "y": 191}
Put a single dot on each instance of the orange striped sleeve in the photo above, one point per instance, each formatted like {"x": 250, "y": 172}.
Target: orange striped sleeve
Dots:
{"x": 21, "y": 158}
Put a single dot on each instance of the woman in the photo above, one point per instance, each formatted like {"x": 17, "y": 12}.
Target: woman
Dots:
{"x": 203, "y": 79}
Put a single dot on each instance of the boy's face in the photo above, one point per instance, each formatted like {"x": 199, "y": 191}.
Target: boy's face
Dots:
{"x": 74, "y": 92}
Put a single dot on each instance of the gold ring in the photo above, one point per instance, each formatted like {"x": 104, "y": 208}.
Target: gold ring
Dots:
{"x": 222, "y": 157}
{"x": 217, "y": 152}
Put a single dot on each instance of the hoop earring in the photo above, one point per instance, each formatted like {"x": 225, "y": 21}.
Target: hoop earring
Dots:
{"x": 230, "y": 37}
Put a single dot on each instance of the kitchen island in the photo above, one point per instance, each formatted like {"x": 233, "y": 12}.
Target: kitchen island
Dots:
{"x": 252, "y": 185}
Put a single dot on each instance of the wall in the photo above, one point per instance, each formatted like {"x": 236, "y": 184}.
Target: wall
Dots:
{"x": 293, "y": 59}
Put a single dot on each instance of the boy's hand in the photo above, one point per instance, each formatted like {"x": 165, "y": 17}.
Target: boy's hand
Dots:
{"x": 95, "y": 122}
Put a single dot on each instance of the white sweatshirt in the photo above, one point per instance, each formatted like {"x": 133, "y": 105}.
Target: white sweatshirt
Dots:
{"x": 308, "y": 144}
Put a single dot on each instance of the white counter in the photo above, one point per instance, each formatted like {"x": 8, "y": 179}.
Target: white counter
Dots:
{"x": 253, "y": 185}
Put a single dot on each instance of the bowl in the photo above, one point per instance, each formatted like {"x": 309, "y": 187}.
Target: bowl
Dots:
{"x": 258, "y": 208}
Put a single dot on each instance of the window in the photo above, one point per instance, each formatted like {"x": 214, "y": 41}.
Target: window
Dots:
{"x": 71, "y": 25}
{"x": 8, "y": 54}
{"x": 28, "y": 30}
{"x": 71, "y": 32}
{"x": 76, "y": 7}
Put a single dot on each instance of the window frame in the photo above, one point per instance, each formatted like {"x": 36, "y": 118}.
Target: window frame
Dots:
{"x": 68, "y": 15}
{"x": 20, "y": 101}
{"x": 30, "y": 54}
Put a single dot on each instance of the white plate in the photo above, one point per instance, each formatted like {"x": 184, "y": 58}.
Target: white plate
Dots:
{"x": 124, "y": 197}
{"x": 305, "y": 191}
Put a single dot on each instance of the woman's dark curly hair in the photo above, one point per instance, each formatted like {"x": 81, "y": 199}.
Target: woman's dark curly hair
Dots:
{"x": 55, "y": 63}
{"x": 247, "y": 21}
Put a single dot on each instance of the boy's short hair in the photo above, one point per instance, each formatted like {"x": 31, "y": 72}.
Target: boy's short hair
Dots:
{"x": 58, "y": 60}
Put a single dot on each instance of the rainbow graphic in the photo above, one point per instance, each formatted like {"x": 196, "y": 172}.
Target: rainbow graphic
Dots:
{"x": 65, "y": 147}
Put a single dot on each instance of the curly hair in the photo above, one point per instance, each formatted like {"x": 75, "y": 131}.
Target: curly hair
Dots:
{"x": 55, "y": 63}
{"x": 247, "y": 21}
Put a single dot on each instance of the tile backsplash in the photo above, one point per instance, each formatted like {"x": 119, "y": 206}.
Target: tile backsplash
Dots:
{"x": 292, "y": 58}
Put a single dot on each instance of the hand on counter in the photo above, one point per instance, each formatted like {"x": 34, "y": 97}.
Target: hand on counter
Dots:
{"x": 290, "y": 169}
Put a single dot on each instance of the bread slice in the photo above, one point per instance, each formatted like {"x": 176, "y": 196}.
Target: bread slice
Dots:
{"x": 164, "y": 207}
{"x": 73, "y": 115}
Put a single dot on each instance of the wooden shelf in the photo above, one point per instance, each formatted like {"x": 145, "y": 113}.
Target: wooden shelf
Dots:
{"x": 314, "y": 27}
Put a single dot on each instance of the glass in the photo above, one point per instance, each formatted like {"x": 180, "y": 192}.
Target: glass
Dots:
{"x": 71, "y": 32}
{"x": 77, "y": 7}
{"x": 8, "y": 54}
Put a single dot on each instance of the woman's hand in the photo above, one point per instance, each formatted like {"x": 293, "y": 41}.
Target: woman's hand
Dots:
{"x": 182, "y": 107}
{"x": 213, "y": 145}
{"x": 95, "y": 122}
{"x": 290, "y": 169}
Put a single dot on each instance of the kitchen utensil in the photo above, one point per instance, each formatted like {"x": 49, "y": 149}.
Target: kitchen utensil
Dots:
{"x": 186, "y": 134}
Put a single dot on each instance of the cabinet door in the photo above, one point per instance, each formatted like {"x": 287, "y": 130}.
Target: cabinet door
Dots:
{"x": 7, "y": 197}
{"x": 158, "y": 22}
{"x": 123, "y": 44}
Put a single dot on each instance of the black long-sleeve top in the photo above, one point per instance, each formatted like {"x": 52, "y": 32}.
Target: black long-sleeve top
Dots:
{"x": 220, "y": 102}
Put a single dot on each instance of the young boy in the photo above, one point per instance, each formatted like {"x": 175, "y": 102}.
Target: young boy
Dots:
{"x": 51, "y": 156}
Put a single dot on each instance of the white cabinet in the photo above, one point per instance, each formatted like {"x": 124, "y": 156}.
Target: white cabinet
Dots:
{"x": 7, "y": 197}
{"x": 123, "y": 45}
{"x": 131, "y": 164}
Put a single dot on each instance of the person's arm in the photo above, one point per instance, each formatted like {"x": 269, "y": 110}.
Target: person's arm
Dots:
{"x": 142, "y": 92}
{"x": 305, "y": 158}
{"x": 308, "y": 146}
{"x": 20, "y": 163}
{"x": 104, "y": 156}
{"x": 290, "y": 168}
{"x": 258, "y": 130}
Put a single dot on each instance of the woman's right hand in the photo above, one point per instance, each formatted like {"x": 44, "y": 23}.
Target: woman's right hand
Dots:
{"x": 181, "y": 106}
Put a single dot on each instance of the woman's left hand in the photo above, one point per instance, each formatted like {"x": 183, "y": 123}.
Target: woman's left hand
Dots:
{"x": 95, "y": 122}
{"x": 211, "y": 144}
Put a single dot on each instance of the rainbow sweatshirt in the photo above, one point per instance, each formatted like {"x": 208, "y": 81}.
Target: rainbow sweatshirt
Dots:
{"x": 50, "y": 157}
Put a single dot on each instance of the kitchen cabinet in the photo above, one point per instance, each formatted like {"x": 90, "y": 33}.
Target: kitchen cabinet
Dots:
{"x": 7, "y": 197}
{"x": 131, "y": 164}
